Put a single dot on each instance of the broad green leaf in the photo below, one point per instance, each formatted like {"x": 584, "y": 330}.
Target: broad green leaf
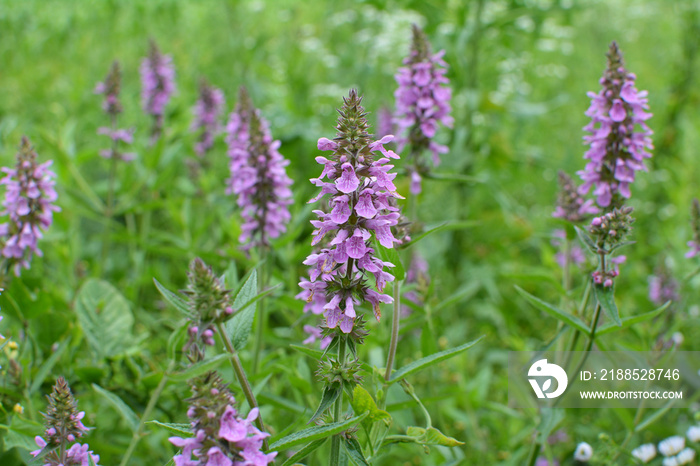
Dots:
{"x": 330, "y": 394}
{"x": 362, "y": 402}
{"x": 45, "y": 368}
{"x": 304, "y": 452}
{"x": 586, "y": 240}
{"x": 432, "y": 436}
{"x": 178, "y": 302}
{"x": 315, "y": 433}
{"x": 14, "y": 439}
{"x": 199, "y": 368}
{"x": 124, "y": 410}
{"x": 185, "y": 430}
{"x": 431, "y": 360}
{"x": 240, "y": 325}
{"x": 555, "y": 312}
{"x": 391, "y": 255}
{"x": 105, "y": 317}
{"x": 629, "y": 321}
{"x": 354, "y": 451}
{"x": 605, "y": 295}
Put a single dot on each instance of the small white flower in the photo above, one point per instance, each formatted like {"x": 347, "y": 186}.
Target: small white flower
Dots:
{"x": 686, "y": 456}
{"x": 584, "y": 452}
{"x": 671, "y": 461}
{"x": 645, "y": 453}
{"x": 671, "y": 445}
{"x": 693, "y": 433}
{"x": 677, "y": 338}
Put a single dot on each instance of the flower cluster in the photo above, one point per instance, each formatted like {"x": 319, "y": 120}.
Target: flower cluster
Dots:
{"x": 209, "y": 303}
{"x": 316, "y": 333}
{"x": 694, "y": 244}
{"x": 609, "y": 232}
{"x": 157, "y": 85}
{"x": 674, "y": 451}
{"x": 620, "y": 138}
{"x": 422, "y": 103}
{"x": 64, "y": 426}
{"x": 29, "y": 199}
{"x": 110, "y": 89}
{"x": 258, "y": 175}
{"x": 360, "y": 187}
{"x": 571, "y": 206}
{"x": 207, "y": 111}
{"x": 221, "y": 436}
{"x": 663, "y": 287}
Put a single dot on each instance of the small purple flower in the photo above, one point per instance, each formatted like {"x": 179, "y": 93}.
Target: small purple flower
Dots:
{"x": 571, "y": 205}
{"x": 663, "y": 287}
{"x": 620, "y": 138}
{"x": 157, "y": 86}
{"x": 221, "y": 436}
{"x": 422, "y": 104}
{"x": 29, "y": 203}
{"x": 207, "y": 112}
{"x": 314, "y": 334}
{"x": 359, "y": 184}
{"x": 258, "y": 175}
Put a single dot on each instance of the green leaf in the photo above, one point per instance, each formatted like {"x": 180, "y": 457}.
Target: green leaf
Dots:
{"x": 240, "y": 325}
{"x": 185, "y": 430}
{"x": 431, "y": 360}
{"x": 555, "y": 312}
{"x": 330, "y": 394}
{"x": 14, "y": 439}
{"x": 629, "y": 321}
{"x": 605, "y": 295}
{"x": 45, "y": 368}
{"x": 655, "y": 416}
{"x": 105, "y": 317}
{"x": 315, "y": 433}
{"x": 354, "y": 451}
{"x": 391, "y": 255}
{"x": 199, "y": 368}
{"x": 362, "y": 402}
{"x": 432, "y": 436}
{"x": 178, "y": 302}
{"x": 304, "y": 452}
{"x": 586, "y": 240}
{"x": 314, "y": 353}
{"x": 124, "y": 410}
{"x": 176, "y": 340}
{"x": 549, "y": 421}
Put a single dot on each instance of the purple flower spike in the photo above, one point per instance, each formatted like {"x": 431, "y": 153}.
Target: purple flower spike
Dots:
{"x": 258, "y": 175}
{"x": 359, "y": 186}
{"x": 157, "y": 86}
{"x": 422, "y": 104}
{"x": 620, "y": 139}
{"x": 694, "y": 245}
{"x": 29, "y": 203}
{"x": 221, "y": 436}
{"x": 207, "y": 112}
{"x": 110, "y": 89}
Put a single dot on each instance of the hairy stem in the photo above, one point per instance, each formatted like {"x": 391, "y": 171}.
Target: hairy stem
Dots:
{"x": 147, "y": 412}
{"x": 338, "y": 410}
{"x": 259, "y": 332}
{"x": 242, "y": 379}
{"x": 394, "y": 330}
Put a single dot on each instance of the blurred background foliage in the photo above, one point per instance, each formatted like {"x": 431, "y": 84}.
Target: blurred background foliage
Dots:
{"x": 520, "y": 70}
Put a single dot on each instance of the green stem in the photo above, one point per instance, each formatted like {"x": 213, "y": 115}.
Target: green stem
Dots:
{"x": 394, "y": 330}
{"x": 260, "y": 330}
{"x": 338, "y": 410}
{"x": 109, "y": 207}
{"x": 534, "y": 451}
{"x": 242, "y": 379}
{"x": 146, "y": 414}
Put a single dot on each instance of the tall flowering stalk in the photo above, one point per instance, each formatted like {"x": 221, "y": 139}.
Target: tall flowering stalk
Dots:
{"x": 110, "y": 89}
{"x": 29, "y": 205}
{"x": 210, "y": 305}
{"x": 620, "y": 138}
{"x": 359, "y": 185}
{"x": 157, "y": 86}
{"x": 422, "y": 104}
{"x": 207, "y": 112}
{"x": 694, "y": 244}
{"x": 258, "y": 175}
{"x": 59, "y": 445}
{"x": 221, "y": 436}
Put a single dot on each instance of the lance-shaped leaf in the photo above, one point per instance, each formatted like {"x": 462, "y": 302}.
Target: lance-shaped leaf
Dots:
{"x": 391, "y": 255}
{"x": 431, "y": 360}
{"x": 304, "y": 452}
{"x": 184, "y": 430}
{"x": 354, "y": 451}
{"x": 330, "y": 394}
{"x": 586, "y": 240}
{"x": 239, "y": 327}
{"x": 432, "y": 436}
{"x": 629, "y": 321}
{"x": 569, "y": 319}
{"x": 124, "y": 410}
{"x": 178, "y": 302}
{"x": 315, "y": 433}
{"x": 605, "y": 295}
